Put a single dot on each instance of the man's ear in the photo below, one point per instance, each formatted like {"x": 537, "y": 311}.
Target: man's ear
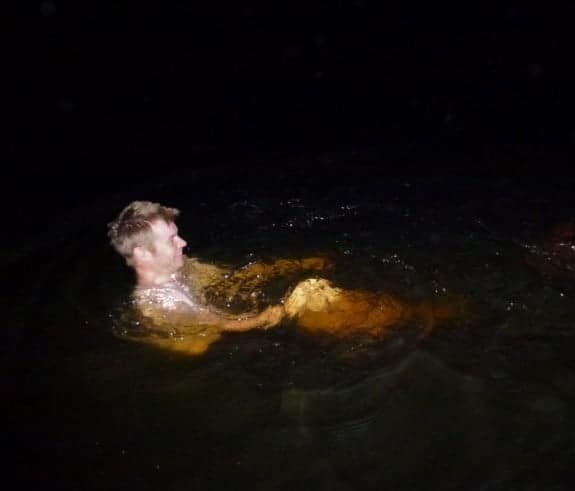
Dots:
{"x": 140, "y": 254}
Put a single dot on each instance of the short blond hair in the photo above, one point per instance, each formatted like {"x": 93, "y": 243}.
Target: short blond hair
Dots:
{"x": 132, "y": 227}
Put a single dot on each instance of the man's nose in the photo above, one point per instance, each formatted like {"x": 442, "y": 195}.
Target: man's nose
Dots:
{"x": 183, "y": 243}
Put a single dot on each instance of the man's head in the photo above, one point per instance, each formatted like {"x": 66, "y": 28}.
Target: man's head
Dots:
{"x": 145, "y": 234}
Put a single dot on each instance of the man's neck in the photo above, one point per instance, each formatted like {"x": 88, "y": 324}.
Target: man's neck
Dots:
{"x": 148, "y": 279}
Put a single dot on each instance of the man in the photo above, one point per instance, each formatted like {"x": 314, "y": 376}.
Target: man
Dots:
{"x": 170, "y": 290}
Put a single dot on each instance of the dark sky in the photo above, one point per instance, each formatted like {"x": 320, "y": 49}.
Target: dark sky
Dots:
{"x": 115, "y": 87}
{"x": 105, "y": 99}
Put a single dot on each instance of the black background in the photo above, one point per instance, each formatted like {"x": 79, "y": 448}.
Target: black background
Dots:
{"x": 102, "y": 96}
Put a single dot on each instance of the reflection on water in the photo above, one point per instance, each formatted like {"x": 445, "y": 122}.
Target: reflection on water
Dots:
{"x": 488, "y": 405}
{"x": 363, "y": 426}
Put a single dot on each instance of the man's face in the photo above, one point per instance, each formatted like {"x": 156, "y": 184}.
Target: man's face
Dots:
{"x": 167, "y": 245}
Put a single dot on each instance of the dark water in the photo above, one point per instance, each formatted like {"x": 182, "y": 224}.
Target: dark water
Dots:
{"x": 485, "y": 405}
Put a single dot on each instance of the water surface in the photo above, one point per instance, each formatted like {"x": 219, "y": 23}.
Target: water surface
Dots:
{"x": 486, "y": 404}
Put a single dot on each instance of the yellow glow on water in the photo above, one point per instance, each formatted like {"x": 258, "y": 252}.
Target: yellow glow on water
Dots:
{"x": 315, "y": 305}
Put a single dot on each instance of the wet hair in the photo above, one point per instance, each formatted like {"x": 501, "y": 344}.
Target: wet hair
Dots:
{"x": 132, "y": 227}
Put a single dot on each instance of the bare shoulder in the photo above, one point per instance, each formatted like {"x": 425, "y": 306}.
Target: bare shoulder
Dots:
{"x": 204, "y": 273}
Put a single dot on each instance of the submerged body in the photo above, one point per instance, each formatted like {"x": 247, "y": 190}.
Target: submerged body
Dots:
{"x": 179, "y": 309}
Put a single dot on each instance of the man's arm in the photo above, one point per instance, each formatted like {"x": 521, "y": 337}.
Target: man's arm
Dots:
{"x": 247, "y": 279}
{"x": 223, "y": 282}
{"x": 187, "y": 318}
{"x": 281, "y": 267}
{"x": 209, "y": 274}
